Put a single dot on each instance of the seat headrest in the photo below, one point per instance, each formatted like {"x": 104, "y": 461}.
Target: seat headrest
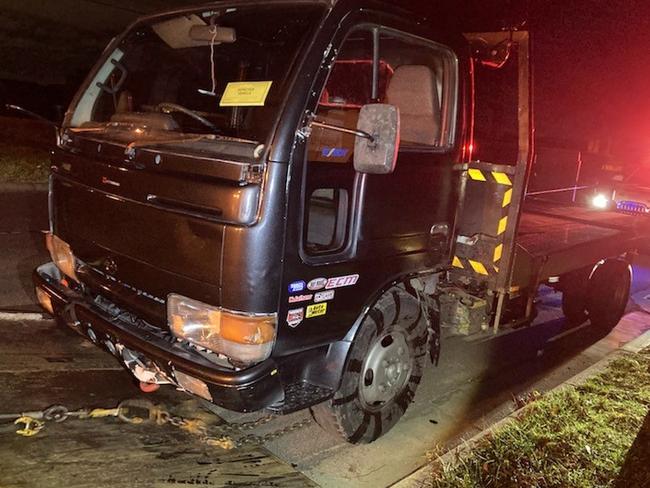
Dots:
{"x": 413, "y": 89}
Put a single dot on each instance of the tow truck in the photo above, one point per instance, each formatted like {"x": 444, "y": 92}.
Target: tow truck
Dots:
{"x": 277, "y": 206}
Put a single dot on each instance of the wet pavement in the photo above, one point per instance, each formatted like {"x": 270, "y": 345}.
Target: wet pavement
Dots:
{"x": 23, "y": 219}
{"x": 42, "y": 364}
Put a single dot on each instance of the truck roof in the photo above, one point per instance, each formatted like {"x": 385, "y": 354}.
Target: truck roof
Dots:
{"x": 330, "y": 4}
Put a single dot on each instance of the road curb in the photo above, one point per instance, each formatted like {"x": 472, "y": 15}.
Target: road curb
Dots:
{"x": 6, "y": 316}
{"x": 20, "y": 187}
{"x": 421, "y": 477}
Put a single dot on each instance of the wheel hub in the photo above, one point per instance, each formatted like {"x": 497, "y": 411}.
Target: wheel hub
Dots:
{"x": 386, "y": 369}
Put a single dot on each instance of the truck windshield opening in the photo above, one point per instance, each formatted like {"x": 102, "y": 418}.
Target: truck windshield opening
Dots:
{"x": 221, "y": 72}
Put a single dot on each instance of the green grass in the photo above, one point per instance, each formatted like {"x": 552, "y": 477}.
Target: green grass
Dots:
{"x": 574, "y": 437}
{"x": 22, "y": 164}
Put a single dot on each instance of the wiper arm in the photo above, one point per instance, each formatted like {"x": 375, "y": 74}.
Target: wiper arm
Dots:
{"x": 132, "y": 146}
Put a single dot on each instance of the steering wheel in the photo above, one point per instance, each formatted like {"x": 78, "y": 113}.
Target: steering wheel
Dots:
{"x": 167, "y": 108}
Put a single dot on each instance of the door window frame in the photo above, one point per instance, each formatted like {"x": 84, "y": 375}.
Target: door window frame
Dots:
{"x": 355, "y": 201}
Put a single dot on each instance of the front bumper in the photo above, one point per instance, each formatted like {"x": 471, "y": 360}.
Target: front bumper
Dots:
{"x": 246, "y": 390}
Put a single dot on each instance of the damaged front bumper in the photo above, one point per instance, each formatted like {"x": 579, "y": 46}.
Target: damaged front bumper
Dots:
{"x": 245, "y": 390}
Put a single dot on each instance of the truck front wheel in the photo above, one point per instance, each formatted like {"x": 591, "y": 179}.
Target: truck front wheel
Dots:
{"x": 382, "y": 372}
{"x": 609, "y": 291}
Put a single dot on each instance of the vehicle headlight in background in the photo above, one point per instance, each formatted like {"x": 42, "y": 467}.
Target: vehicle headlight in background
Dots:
{"x": 61, "y": 255}
{"x": 600, "y": 201}
{"x": 245, "y": 338}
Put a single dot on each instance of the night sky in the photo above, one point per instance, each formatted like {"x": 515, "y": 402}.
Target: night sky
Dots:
{"x": 591, "y": 56}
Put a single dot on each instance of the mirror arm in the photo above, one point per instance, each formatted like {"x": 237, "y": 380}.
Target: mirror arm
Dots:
{"x": 33, "y": 115}
{"x": 17, "y": 108}
{"x": 358, "y": 133}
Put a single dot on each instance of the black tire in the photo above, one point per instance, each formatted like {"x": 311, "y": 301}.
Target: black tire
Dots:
{"x": 574, "y": 306}
{"x": 397, "y": 316}
{"x": 574, "y": 295}
{"x": 608, "y": 294}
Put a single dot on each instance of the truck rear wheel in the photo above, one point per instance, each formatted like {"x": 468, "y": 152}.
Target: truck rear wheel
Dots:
{"x": 608, "y": 294}
{"x": 383, "y": 370}
{"x": 574, "y": 305}
{"x": 575, "y": 286}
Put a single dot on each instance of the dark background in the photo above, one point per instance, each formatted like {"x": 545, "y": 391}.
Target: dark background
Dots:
{"x": 591, "y": 86}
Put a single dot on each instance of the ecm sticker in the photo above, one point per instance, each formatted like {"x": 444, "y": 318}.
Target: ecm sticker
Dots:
{"x": 245, "y": 94}
{"x": 340, "y": 281}
{"x": 316, "y": 310}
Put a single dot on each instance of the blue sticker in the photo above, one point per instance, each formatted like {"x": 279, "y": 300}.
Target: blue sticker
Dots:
{"x": 334, "y": 152}
{"x": 297, "y": 286}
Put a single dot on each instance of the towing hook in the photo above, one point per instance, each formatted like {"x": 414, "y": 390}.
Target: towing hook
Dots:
{"x": 32, "y": 426}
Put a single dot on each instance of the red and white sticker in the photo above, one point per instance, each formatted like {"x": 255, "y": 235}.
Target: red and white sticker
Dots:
{"x": 341, "y": 281}
{"x": 295, "y": 316}
{"x": 300, "y": 298}
{"x": 323, "y": 296}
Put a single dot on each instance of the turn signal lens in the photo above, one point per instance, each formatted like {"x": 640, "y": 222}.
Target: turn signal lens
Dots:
{"x": 61, "y": 255}
{"x": 246, "y": 338}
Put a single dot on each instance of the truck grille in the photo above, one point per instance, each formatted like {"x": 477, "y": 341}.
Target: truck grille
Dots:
{"x": 632, "y": 207}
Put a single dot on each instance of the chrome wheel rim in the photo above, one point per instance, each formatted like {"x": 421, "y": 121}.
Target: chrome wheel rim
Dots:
{"x": 386, "y": 370}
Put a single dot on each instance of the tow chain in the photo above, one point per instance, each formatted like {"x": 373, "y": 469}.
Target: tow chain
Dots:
{"x": 137, "y": 411}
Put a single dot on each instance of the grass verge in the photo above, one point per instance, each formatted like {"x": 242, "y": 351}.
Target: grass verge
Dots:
{"x": 23, "y": 164}
{"x": 573, "y": 437}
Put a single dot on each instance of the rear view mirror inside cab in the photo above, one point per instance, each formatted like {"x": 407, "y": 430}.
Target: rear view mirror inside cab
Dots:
{"x": 213, "y": 33}
{"x": 192, "y": 31}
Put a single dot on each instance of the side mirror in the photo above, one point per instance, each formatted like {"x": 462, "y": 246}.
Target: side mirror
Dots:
{"x": 377, "y": 154}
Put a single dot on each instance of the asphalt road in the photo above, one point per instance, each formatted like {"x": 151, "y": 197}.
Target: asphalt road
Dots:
{"x": 23, "y": 217}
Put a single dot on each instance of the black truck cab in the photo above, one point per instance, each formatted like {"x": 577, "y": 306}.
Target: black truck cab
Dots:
{"x": 255, "y": 202}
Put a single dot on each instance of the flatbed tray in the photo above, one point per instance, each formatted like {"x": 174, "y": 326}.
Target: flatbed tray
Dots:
{"x": 553, "y": 239}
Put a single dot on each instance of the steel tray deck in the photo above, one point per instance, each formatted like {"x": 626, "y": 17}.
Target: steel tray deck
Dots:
{"x": 553, "y": 239}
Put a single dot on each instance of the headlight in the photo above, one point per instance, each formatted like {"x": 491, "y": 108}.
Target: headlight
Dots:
{"x": 61, "y": 255}
{"x": 600, "y": 201}
{"x": 246, "y": 338}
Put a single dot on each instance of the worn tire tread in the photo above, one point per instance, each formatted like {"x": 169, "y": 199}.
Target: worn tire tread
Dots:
{"x": 396, "y": 308}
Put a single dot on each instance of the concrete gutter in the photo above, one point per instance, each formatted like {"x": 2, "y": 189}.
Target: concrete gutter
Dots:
{"x": 422, "y": 476}
{"x": 20, "y": 187}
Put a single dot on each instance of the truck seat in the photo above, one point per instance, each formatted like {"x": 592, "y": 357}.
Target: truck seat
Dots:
{"x": 413, "y": 90}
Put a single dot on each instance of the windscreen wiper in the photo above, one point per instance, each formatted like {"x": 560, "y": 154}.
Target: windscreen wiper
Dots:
{"x": 132, "y": 146}
{"x": 255, "y": 149}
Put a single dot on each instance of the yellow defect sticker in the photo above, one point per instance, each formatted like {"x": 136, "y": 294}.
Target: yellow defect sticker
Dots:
{"x": 316, "y": 309}
{"x": 245, "y": 94}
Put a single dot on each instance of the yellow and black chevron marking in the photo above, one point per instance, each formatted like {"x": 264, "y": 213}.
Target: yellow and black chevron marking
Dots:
{"x": 497, "y": 176}
{"x": 469, "y": 264}
{"x": 502, "y": 226}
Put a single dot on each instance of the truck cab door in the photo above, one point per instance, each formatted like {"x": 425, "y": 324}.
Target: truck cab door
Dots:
{"x": 371, "y": 228}
{"x": 394, "y": 212}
